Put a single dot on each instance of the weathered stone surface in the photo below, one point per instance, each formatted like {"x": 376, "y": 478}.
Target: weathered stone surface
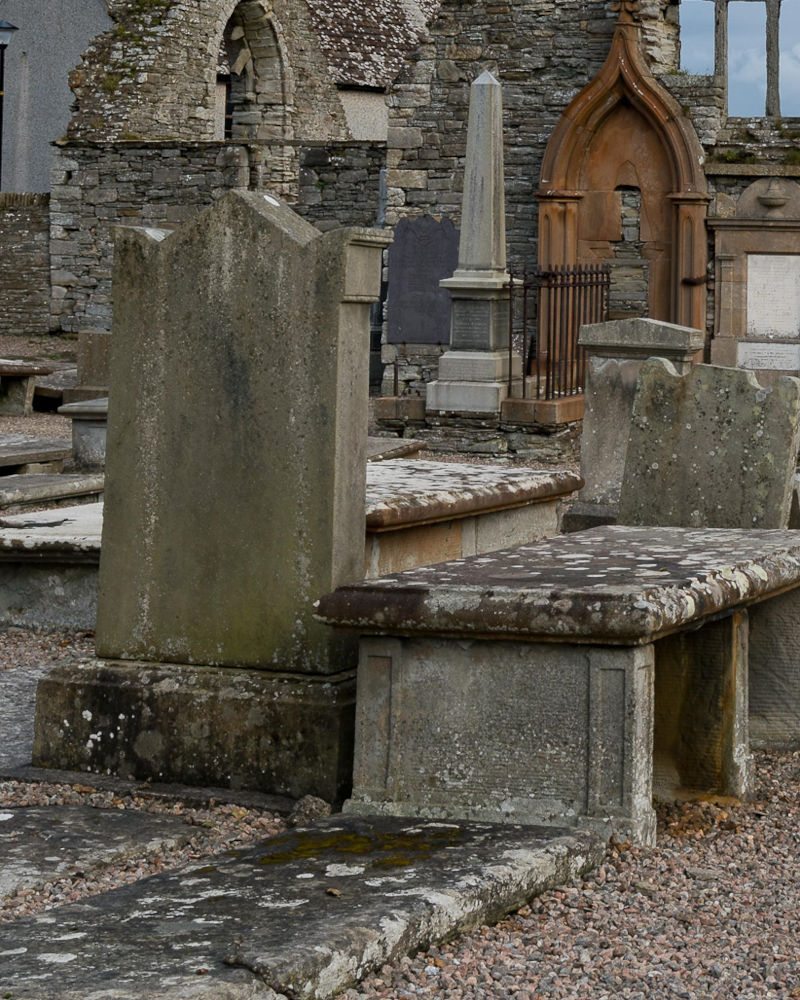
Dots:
{"x": 19, "y": 450}
{"x": 712, "y": 448}
{"x": 579, "y": 719}
{"x": 89, "y": 430}
{"x": 774, "y": 673}
{"x": 423, "y": 252}
{"x": 210, "y": 555}
{"x": 614, "y": 584}
{"x": 212, "y": 726}
{"x": 382, "y": 449}
{"x": 400, "y": 493}
{"x": 40, "y": 845}
{"x": 616, "y": 352}
{"x": 20, "y": 491}
{"x": 267, "y": 918}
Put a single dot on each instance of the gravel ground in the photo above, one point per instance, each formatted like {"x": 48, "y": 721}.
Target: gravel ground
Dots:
{"x": 712, "y": 912}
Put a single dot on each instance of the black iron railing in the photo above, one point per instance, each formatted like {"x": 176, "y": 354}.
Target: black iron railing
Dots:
{"x": 548, "y": 308}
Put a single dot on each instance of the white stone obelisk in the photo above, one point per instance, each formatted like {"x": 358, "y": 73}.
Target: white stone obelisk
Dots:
{"x": 473, "y": 373}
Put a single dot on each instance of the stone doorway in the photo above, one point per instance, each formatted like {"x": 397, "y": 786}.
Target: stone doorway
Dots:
{"x": 622, "y": 183}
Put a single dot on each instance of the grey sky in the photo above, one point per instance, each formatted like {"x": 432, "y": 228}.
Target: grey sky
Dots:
{"x": 747, "y": 72}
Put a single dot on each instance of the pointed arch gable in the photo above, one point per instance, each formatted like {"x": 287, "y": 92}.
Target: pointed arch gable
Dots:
{"x": 575, "y": 193}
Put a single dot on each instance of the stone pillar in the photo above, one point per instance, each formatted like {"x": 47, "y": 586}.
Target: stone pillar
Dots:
{"x": 701, "y": 734}
{"x": 235, "y": 496}
{"x": 474, "y": 372}
{"x": 774, "y": 672}
{"x": 616, "y": 352}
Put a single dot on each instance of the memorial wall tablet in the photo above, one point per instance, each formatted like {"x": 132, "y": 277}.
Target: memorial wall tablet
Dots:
{"x": 773, "y": 295}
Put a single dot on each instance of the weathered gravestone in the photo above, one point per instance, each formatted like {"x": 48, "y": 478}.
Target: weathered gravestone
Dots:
{"x": 711, "y": 449}
{"x": 234, "y": 498}
{"x": 616, "y": 352}
{"x": 424, "y": 252}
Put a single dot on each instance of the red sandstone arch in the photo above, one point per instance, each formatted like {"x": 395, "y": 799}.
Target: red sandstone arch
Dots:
{"x": 623, "y": 128}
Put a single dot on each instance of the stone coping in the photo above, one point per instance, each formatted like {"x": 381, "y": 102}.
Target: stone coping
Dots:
{"x": 86, "y": 409}
{"x": 402, "y": 492}
{"x": 611, "y": 585}
{"x": 22, "y": 449}
{"x": 37, "y": 488}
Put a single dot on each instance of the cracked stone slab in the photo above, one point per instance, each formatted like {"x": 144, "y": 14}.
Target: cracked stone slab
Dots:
{"x": 21, "y": 449}
{"x": 627, "y": 585}
{"x": 42, "y": 844}
{"x": 301, "y": 915}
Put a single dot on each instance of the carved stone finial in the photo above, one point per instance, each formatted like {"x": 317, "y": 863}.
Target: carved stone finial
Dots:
{"x": 626, "y": 10}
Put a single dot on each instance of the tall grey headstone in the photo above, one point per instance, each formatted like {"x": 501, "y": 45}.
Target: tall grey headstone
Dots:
{"x": 424, "y": 252}
{"x": 710, "y": 449}
{"x": 235, "y": 491}
{"x": 473, "y": 373}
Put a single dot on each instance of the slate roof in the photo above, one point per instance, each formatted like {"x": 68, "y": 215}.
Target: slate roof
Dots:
{"x": 367, "y": 41}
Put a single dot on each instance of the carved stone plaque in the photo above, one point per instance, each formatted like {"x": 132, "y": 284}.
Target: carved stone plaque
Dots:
{"x": 424, "y": 251}
{"x": 775, "y": 357}
{"x": 773, "y": 296}
{"x": 472, "y": 325}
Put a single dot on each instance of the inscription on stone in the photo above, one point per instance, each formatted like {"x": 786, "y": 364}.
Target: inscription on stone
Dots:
{"x": 423, "y": 252}
{"x": 774, "y": 357}
{"x": 773, "y": 296}
{"x": 471, "y": 325}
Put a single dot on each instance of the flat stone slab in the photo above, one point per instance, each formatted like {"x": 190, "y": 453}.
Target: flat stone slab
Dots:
{"x": 627, "y": 585}
{"x": 304, "y": 914}
{"x": 70, "y": 532}
{"x": 26, "y": 490}
{"x": 400, "y": 493}
{"x": 42, "y": 844}
{"x": 86, "y": 409}
{"x": 53, "y": 386}
{"x": 21, "y": 449}
{"x": 380, "y": 449}
{"x": 23, "y": 369}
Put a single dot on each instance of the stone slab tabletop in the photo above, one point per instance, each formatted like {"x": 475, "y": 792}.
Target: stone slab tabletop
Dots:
{"x": 402, "y": 492}
{"x": 399, "y": 492}
{"x": 20, "y": 449}
{"x": 86, "y": 409}
{"x": 23, "y": 368}
{"x": 41, "y": 488}
{"x": 304, "y": 914}
{"x": 73, "y": 532}
{"x": 379, "y": 449}
{"x": 610, "y": 584}
{"x": 42, "y": 844}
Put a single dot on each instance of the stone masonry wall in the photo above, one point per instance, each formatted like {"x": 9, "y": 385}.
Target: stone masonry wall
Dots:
{"x": 25, "y": 253}
{"x": 543, "y": 52}
{"x": 98, "y": 186}
{"x": 340, "y": 184}
{"x": 153, "y": 75}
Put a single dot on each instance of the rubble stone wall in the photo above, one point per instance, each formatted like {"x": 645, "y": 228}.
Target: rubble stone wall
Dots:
{"x": 25, "y": 272}
{"x": 98, "y": 186}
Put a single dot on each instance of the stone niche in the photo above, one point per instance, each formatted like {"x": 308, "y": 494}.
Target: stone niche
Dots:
{"x": 757, "y": 322}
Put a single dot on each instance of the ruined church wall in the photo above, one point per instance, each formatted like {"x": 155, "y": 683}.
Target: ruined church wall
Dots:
{"x": 25, "y": 253}
{"x": 153, "y": 74}
{"x": 99, "y": 186}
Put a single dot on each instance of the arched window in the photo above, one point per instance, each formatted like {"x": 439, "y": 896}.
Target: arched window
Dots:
{"x": 251, "y": 100}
